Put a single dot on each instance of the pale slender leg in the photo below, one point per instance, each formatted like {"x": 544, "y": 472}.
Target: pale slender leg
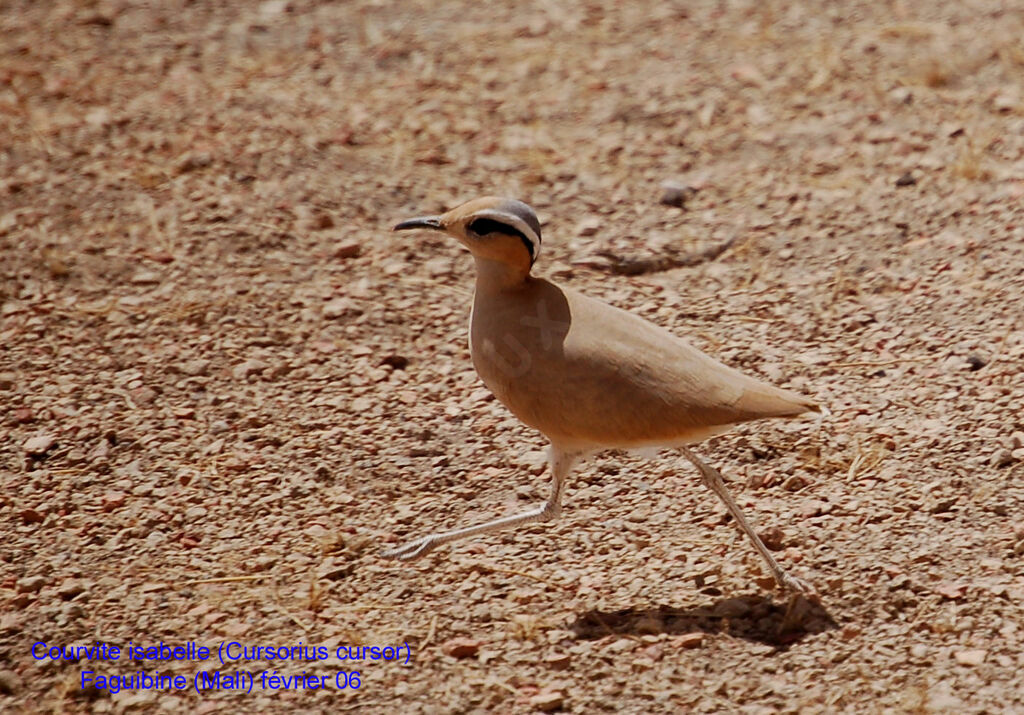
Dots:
{"x": 712, "y": 478}
{"x": 561, "y": 464}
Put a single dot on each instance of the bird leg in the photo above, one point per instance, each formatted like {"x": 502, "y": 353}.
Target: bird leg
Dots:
{"x": 561, "y": 463}
{"x": 712, "y": 478}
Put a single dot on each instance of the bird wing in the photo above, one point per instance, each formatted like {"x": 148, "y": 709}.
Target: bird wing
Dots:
{"x": 589, "y": 373}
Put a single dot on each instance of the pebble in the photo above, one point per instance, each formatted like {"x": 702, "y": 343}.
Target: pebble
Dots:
{"x": 38, "y": 445}
{"x": 689, "y": 640}
{"x": 338, "y": 308}
{"x": 30, "y": 584}
{"x": 461, "y": 647}
{"x": 195, "y": 368}
{"x": 589, "y": 226}
{"x": 395, "y": 361}
{"x": 970, "y": 657}
{"x": 1002, "y": 458}
{"x": 114, "y": 500}
{"x": 70, "y": 588}
{"x": 535, "y": 461}
{"x": 906, "y": 179}
{"x": 145, "y": 277}
{"x": 558, "y": 661}
{"x": 677, "y": 195}
{"x": 773, "y": 537}
{"x": 32, "y": 516}
{"x": 548, "y": 702}
{"x": 10, "y": 683}
{"x": 250, "y": 367}
{"x": 144, "y": 395}
{"x": 349, "y": 249}
{"x": 219, "y": 427}
{"x": 193, "y": 160}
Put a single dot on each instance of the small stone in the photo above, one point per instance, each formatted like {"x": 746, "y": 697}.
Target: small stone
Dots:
{"x": 72, "y": 611}
{"x": 1002, "y": 457}
{"x": 7, "y": 380}
{"x": 901, "y": 95}
{"x": 548, "y": 702}
{"x": 970, "y": 657}
{"x": 689, "y": 640}
{"x": 349, "y": 249}
{"x": 677, "y": 195}
{"x": 795, "y": 483}
{"x": 71, "y": 588}
{"x": 461, "y": 647}
{"x": 321, "y": 221}
{"x": 193, "y": 161}
{"x": 250, "y": 367}
{"x": 195, "y": 368}
{"x": 589, "y": 226}
{"x": 941, "y": 505}
{"x": 338, "y": 308}
{"x": 219, "y": 427}
{"x": 144, "y": 395}
{"x": 952, "y": 591}
{"x": 747, "y": 74}
{"x": 975, "y": 363}
{"x": 398, "y": 362}
{"x": 30, "y": 584}
{"x": 773, "y": 537}
{"x": 332, "y": 570}
{"x": 10, "y": 683}
{"x": 907, "y": 179}
{"x": 23, "y": 415}
{"x": 558, "y": 661}
{"x": 145, "y": 277}
{"x": 1017, "y": 440}
{"x": 535, "y": 461}
{"x": 32, "y": 516}
{"x": 113, "y": 500}
{"x": 39, "y": 445}
{"x": 1005, "y": 102}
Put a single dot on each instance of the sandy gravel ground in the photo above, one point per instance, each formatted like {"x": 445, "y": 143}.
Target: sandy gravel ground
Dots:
{"x": 226, "y": 384}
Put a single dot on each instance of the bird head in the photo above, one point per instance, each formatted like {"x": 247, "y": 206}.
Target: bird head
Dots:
{"x": 492, "y": 228}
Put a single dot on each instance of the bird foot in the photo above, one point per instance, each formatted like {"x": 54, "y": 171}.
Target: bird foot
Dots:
{"x": 411, "y": 551}
{"x": 798, "y": 587}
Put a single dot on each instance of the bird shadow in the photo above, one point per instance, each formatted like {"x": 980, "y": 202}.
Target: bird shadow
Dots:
{"x": 752, "y": 618}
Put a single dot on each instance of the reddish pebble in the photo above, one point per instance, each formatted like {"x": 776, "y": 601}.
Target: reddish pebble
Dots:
{"x": 114, "y": 500}
{"x": 461, "y": 647}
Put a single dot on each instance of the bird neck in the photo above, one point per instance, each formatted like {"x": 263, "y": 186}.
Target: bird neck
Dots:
{"x": 492, "y": 275}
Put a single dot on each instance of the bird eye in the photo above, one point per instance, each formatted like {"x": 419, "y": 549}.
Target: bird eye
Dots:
{"x": 484, "y": 226}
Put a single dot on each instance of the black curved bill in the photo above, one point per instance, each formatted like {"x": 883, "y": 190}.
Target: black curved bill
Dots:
{"x": 431, "y": 222}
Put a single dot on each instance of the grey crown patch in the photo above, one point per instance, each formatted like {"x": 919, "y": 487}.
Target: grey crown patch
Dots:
{"x": 523, "y": 212}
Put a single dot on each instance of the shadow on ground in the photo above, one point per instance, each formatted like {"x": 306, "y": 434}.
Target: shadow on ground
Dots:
{"x": 753, "y": 618}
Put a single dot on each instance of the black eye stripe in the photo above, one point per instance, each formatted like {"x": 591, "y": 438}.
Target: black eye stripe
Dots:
{"x": 484, "y": 226}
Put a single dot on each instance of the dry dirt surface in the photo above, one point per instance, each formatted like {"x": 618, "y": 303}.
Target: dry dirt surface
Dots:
{"x": 226, "y": 385}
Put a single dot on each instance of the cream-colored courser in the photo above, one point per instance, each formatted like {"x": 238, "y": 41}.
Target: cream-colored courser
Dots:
{"x": 589, "y": 376}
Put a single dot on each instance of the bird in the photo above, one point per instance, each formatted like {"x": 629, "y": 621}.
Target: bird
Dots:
{"x": 590, "y": 376}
